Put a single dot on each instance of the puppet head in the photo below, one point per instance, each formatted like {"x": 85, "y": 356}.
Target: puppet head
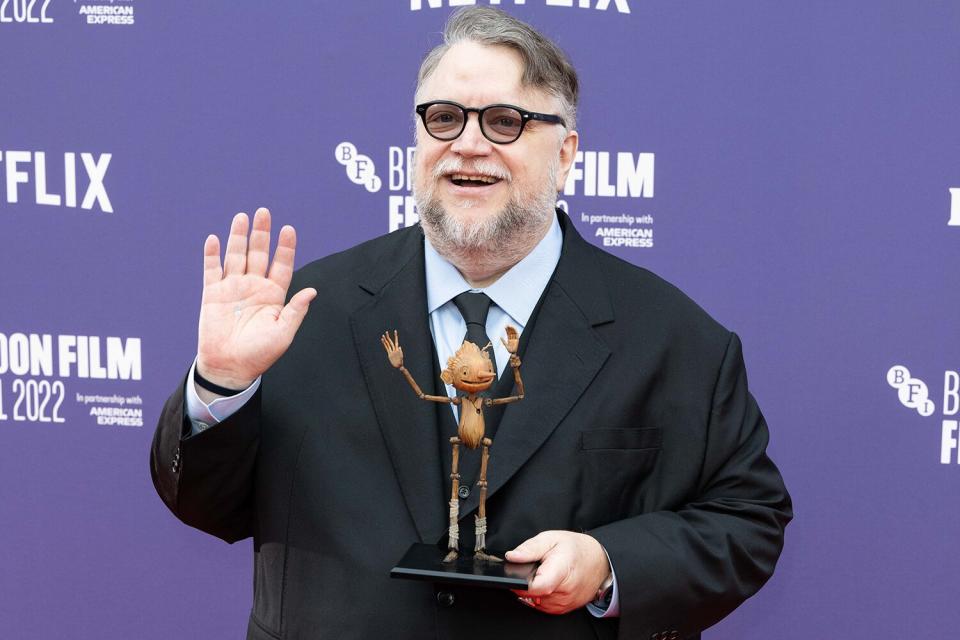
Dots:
{"x": 469, "y": 370}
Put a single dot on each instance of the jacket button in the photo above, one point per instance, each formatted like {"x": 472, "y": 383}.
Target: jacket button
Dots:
{"x": 463, "y": 492}
{"x": 445, "y": 599}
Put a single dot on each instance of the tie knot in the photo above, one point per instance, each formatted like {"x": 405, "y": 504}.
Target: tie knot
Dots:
{"x": 473, "y": 307}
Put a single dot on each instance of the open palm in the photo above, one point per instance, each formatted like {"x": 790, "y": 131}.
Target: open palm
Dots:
{"x": 244, "y": 324}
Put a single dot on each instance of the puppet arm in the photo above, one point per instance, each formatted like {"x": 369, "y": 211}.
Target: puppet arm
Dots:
{"x": 395, "y": 354}
{"x": 419, "y": 392}
{"x": 518, "y": 381}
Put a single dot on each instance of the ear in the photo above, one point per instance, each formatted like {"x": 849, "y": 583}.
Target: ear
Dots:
{"x": 568, "y": 153}
{"x": 446, "y": 376}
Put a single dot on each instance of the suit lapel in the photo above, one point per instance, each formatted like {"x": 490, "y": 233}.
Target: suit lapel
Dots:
{"x": 408, "y": 424}
{"x": 562, "y": 355}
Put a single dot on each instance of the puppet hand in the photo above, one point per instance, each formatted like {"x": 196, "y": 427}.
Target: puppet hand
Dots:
{"x": 392, "y": 347}
{"x": 512, "y": 341}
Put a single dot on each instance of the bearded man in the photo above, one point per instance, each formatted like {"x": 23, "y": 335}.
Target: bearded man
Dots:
{"x": 634, "y": 470}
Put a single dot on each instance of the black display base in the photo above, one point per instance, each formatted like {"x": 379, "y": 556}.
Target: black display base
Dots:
{"x": 425, "y": 562}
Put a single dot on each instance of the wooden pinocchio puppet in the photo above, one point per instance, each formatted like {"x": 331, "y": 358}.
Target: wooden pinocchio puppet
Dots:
{"x": 470, "y": 371}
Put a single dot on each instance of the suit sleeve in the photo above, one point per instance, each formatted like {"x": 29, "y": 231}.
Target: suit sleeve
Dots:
{"x": 206, "y": 479}
{"x": 685, "y": 570}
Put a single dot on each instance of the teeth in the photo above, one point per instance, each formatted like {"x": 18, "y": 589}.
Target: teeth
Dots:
{"x": 486, "y": 179}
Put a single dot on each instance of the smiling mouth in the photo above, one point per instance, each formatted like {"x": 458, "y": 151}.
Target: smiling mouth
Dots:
{"x": 462, "y": 180}
{"x": 483, "y": 379}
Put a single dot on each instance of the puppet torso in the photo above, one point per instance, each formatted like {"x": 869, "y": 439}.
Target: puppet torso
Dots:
{"x": 471, "y": 421}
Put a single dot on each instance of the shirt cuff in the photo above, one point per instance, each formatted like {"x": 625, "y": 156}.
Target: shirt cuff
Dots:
{"x": 596, "y": 608}
{"x": 202, "y": 416}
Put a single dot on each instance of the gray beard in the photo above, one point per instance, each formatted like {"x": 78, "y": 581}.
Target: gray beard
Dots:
{"x": 504, "y": 238}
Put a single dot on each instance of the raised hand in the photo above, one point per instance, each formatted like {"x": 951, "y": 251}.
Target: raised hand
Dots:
{"x": 392, "y": 347}
{"x": 244, "y": 325}
{"x": 513, "y": 339}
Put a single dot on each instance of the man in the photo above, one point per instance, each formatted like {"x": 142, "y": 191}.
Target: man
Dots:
{"x": 634, "y": 470}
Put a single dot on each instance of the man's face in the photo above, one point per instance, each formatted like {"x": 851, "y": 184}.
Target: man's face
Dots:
{"x": 520, "y": 179}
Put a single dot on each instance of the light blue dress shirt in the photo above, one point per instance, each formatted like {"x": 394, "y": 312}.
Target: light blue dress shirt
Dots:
{"x": 514, "y": 296}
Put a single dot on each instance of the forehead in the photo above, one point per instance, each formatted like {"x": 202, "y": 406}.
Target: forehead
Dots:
{"x": 476, "y": 75}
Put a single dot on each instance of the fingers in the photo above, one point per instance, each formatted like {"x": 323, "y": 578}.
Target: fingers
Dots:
{"x": 572, "y": 567}
{"x": 252, "y": 255}
{"x": 554, "y": 562}
{"x": 281, "y": 271}
{"x": 551, "y": 606}
{"x": 553, "y": 570}
{"x": 388, "y": 344}
{"x": 212, "y": 271}
{"x": 258, "y": 254}
{"x": 235, "y": 258}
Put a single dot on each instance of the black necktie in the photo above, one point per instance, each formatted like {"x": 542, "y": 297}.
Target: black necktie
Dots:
{"x": 474, "y": 307}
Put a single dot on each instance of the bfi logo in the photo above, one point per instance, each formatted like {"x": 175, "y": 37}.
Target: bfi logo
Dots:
{"x": 913, "y": 393}
{"x": 360, "y": 168}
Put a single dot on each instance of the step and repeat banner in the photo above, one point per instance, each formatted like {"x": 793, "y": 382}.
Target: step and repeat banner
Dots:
{"x": 793, "y": 166}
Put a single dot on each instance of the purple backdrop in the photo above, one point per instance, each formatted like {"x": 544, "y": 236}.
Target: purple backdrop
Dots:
{"x": 788, "y": 164}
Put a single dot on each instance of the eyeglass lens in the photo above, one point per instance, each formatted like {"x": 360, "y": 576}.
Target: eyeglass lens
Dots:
{"x": 499, "y": 124}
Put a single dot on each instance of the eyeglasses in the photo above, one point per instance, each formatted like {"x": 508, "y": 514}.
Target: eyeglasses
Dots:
{"x": 499, "y": 123}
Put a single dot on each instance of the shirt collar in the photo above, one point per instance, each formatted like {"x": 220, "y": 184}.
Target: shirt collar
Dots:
{"x": 511, "y": 292}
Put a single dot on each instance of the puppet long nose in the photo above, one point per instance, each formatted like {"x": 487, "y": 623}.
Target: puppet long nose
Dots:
{"x": 486, "y": 376}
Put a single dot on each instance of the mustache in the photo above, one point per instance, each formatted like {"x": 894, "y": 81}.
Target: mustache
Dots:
{"x": 484, "y": 167}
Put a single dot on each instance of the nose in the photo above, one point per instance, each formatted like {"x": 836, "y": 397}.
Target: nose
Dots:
{"x": 472, "y": 141}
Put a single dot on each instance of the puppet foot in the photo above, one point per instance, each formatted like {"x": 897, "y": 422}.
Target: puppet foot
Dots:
{"x": 479, "y": 551}
{"x": 454, "y": 534}
{"x": 482, "y": 556}
{"x": 450, "y": 557}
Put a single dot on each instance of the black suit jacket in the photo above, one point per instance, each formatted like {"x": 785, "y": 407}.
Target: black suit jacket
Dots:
{"x": 637, "y": 428}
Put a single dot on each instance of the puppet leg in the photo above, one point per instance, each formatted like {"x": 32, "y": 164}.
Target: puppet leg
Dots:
{"x": 454, "y": 536}
{"x": 480, "y": 550}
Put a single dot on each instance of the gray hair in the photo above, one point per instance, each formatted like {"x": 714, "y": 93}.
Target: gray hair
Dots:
{"x": 545, "y": 65}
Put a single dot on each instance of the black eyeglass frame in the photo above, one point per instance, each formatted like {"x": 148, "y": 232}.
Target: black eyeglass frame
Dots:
{"x": 525, "y": 116}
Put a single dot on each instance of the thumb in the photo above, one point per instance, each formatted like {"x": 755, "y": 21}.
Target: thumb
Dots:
{"x": 292, "y": 314}
{"x": 533, "y": 549}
